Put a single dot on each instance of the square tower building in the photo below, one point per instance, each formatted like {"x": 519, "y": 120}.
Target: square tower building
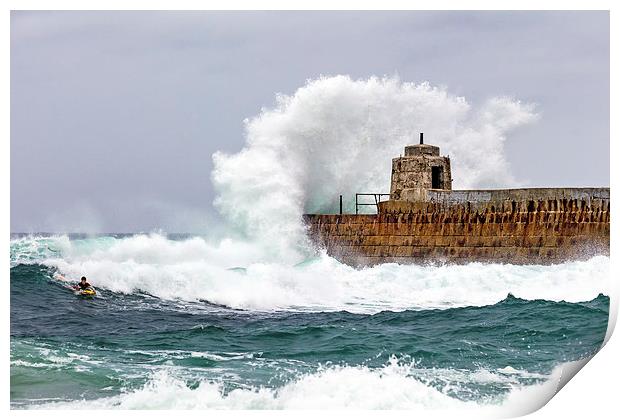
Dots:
{"x": 421, "y": 169}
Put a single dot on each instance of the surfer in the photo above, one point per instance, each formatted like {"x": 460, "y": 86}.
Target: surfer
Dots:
{"x": 83, "y": 284}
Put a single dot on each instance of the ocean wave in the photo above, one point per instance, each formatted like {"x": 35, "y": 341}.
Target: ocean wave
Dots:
{"x": 193, "y": 270}
{"x": 338, "y": 387}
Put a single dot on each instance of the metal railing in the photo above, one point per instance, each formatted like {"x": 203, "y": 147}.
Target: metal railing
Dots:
{"x": 377, "y": 199}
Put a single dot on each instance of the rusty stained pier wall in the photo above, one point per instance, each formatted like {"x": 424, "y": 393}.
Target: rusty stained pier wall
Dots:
{"x": 524, "y": 226}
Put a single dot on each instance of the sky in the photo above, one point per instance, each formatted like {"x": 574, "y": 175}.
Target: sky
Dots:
{"x": 115, "y": 115}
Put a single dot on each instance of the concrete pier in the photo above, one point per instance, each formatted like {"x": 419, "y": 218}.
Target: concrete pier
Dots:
{"x": 421, "y": 224}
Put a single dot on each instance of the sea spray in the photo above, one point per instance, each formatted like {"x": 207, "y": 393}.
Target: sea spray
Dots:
{"x": 336, "y": 136}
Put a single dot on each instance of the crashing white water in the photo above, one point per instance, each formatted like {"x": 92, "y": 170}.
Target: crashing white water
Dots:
{"x": 194, "y": 269}
{"x": 393, "y": 386}
{"x": 333, "y": 136}
{"x": 337, "y": 136}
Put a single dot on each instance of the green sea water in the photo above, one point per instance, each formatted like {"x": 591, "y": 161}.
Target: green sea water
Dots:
{"x": 136, "y": 347}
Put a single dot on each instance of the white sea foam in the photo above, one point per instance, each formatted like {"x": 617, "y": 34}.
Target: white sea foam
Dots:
{"x": 390, "y": 387}
{"x": 193, "y": 270}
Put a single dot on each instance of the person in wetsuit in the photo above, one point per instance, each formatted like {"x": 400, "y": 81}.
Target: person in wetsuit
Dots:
{"x": 83, "y": 284}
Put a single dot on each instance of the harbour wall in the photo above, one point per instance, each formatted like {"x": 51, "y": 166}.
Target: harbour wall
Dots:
{"x": 519, "y": 226}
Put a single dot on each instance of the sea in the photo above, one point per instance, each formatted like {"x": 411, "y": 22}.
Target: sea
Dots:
{"x": 178, "y": 323}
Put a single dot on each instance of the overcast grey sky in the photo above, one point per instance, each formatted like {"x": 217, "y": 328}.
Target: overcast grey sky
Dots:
{"x": 115, "y": 115}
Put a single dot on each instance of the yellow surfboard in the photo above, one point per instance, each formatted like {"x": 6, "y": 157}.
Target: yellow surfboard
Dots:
{"x": 88, "y": 292}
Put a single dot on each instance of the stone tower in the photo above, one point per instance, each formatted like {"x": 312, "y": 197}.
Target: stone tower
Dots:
{"x": 421, "y": 169}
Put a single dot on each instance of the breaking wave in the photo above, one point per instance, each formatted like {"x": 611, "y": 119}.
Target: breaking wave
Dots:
{"x": 193, "y": 270}
{"x": 315, "y": 144}
{"x": 393, "y": 386}
{"x": 337, "y": 136}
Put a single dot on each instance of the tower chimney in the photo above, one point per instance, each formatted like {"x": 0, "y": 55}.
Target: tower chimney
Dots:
{"x": 421, "y": 138}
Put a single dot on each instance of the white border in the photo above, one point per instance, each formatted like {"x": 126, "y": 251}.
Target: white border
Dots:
{"x": 592, "y": 394}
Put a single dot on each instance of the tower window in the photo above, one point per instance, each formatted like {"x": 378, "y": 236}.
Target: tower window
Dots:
{"x": 436, "y": 177}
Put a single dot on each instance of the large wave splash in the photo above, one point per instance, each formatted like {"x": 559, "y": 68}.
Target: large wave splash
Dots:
{"x": 193, "y": 270}
{"x": 336, "y": 135}
{"x": 340, "y": 387}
